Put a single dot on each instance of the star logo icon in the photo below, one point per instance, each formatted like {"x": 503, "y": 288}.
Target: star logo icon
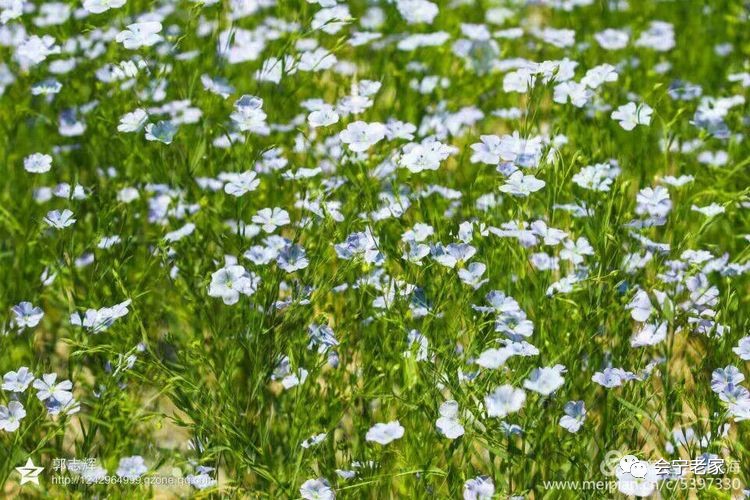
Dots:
{"x": 29, "y": 472}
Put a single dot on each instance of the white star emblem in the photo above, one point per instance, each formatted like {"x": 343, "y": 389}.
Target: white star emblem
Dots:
{"x": 29, "y": 472}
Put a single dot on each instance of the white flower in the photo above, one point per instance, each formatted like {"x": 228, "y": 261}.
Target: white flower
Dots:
{"x": 96, "y": 321}
{"x": 640, "y": 306}
{"x": 128, "y": 195}
{"x": 317, "y": 489}
{"x": 385, "y": 433}
{"x": 417, "y": 11}
{"x": 56, "y": 407}
{"x": 131, "y": 467}
{"x": 549, "y": 235}
{"x": 294, "y": 379}
{"x": 472, "y": 275}
{"x": 418, "y": 233}
{"x": 629, "y": 115}
{"x": 659, "y": 36}
{"x": 451, "y": 255}
{"x": 545, "y": 380}
{"x": 577, "y": 93}
{"x": 133, "y": 121}
{"x": 314, "y": 440}
{"x": 726, "y": 379}
{"x": 519, "y": 184}
{"x": 575, "y": 414}
{"x": 714, "y": 159}
{"x": 292, "y": 258}
{"x": 60, "y": 220}
{"x": 488, "y": 150}
{"x": 11, "y": 416}
{"x": 653, "y": 201}
{"x": 557, "y": 37}
{"x": 99, "y": 6}
{"x": 322, "y": 117}
{"x": 249, "y": 116}
{"x": 448, "y": 423}
{"x": 239, "y": 184}
{"x": 108, "y": 241}
{"x": 479, "y": 488}
{"x": 48, "y": 389}
{"x": 139, "y": 35}
{"x": 217, "y": 86}
{"x": 12, "y": 9}
{"x": 200, "y": 481}
{"x": 649, "y": 334}
{"x": 742, "y": 350}
{"x": 180, "y": 233}
{"x": 319, "y": 59}
{"x": 231, "y": 281}
{"x": 598, "y": 177}
{"x": 400, "y": 130}
{"x": 508, "y": 148}
{"x": 611, "y": 39}
{"x": 46, "y": 87}
{"x": 711, "y": 210}
{"x": 332, "y": 19}
{"x": 493, "y": 358}
{"x": 612, "y": 377}
{"x": 270, "y": 219}
{"x": 271, "y": 70}
{"x": 678, "y": 181}
{"x": 740, "y": 410}
{"x": 17, "y": 381}
{"x": 26, "y": 315}
{"x": 418, "y": 346}
{"x": 519, "y": 81}
{"x": 37, "y": 163}
{"x": 359, "y": 136}
{"x": 161, "y": 131}
{"x": 425, "y": 156}
{"x": 504, "y": 400}
{"x": 35, "y": 50}
{"x": 575, "y": 251}
{"x": 599, "y": 75}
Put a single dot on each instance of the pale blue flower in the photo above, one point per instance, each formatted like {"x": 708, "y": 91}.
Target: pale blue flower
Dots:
{"x": 162, "y": 131}
{"x": 479, "y": 488}
{"x": 26, "y": 315}
{"x": 317, "y": 489}
{"x": 60, "y": 220}
{"x": 18, "y": 381}
{"x": 504, "y": 400}
{"x": 545, "y": 380}
{"x": 575, "y": 414}
{"x": 11, "y": 416}
{"x": 132, "y": 467}
{"x": 48, "y": 388}
{"x": 385, "y": 433}
{"x": 743, "y": 348}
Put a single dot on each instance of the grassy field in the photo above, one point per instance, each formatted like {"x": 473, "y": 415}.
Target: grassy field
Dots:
{"x": 374, "y": 249}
